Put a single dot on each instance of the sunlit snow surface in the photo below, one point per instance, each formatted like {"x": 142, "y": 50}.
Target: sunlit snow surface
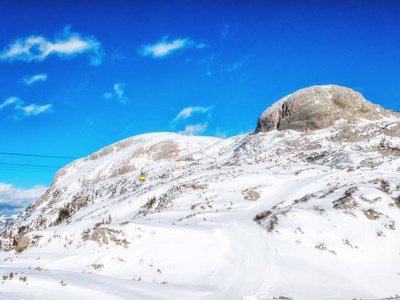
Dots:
{"x": 279, "y": 214}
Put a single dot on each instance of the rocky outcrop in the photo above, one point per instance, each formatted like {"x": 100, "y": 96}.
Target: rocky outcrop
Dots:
{"x": 319, "y": 107}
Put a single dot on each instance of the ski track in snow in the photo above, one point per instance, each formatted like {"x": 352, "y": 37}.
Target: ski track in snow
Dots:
{"x": 247, "y": 248}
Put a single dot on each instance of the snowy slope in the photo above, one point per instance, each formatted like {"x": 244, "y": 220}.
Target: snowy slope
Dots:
{"x": 280, "y": 214}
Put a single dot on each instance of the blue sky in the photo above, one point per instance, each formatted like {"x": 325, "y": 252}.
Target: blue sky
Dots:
{"x": 79, "y": 75}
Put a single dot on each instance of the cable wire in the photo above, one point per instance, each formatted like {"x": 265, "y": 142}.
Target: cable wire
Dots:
{"x": 37, "y": 155}
{"x": 24, "y": 165}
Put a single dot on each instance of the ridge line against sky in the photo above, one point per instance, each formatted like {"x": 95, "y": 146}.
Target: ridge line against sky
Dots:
{"x": 78, "y": 76}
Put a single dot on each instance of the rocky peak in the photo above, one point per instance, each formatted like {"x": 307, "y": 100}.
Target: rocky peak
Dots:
{"x": 318, "y": 107}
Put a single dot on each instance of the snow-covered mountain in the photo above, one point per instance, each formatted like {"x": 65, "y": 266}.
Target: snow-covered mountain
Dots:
{"x": 280, "y": 214}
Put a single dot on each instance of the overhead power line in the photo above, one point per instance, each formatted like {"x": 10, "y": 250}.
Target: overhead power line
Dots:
{"x": 18, "y": 169}
{"x": 37, "y": 155}
{"x": 24, "y": 165}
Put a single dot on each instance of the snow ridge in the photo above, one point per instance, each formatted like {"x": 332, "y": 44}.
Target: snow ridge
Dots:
{"x": 301, "y": 215}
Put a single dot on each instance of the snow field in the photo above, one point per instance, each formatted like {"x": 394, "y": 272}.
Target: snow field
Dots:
{"x": 322, "y": 232}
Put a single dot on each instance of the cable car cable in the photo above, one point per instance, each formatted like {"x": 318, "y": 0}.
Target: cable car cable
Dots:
{"x": 37, "y": 155}
{"x": 24, "y": 165}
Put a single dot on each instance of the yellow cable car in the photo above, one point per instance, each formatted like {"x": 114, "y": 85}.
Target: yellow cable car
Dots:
{"x": 142, "y": 176}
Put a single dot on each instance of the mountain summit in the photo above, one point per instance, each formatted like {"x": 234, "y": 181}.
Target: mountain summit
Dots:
{"x": 286, "y": 214}
{"x": 318, "y": 107}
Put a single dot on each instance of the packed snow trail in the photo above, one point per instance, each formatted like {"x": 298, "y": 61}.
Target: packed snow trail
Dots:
{"x": 247, "y": 262}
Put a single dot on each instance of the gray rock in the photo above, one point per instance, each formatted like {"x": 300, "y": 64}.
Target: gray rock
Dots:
{"x": 319, "y": 107}
{"x": 251, "y": 195}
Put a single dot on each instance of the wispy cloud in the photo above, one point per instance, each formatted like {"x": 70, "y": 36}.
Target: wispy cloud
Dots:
{"x": 17, "y": 199}
{"x": 10, "y": 101}
{"x": 34, "y": 109}
{"x": 220, "y": 134}
{"x": 194, "y": 129}
{"x": 117, "y": 56}
{"x": 237, "y": 65}
{"x": 165, "y": 47}
{"x": 188, "y": 111}
{"x": 117, "y": 94}
{"x": 201, "y": 46}
{"x": 67, "y": 45}
{"x": 209, "y": 64}
{"x": 25, "y": 111}
{"x": 225, "y": 32}
{"x": 35, "y": 78}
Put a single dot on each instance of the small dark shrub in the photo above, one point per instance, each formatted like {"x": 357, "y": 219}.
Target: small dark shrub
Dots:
{"x": 371, "y": 214}
{"x": 63, "y": 214}
{"x": 262, "y": 215}
{"x": 150, "y": 202}
{"x": 385, "y": 186}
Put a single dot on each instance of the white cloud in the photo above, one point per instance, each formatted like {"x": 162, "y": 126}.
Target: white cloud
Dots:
{"x": 118, "y": 93}
{"x": 237, "y": 65}
{"x": 201, "y": 46}
{"x": 17, "y": 199}
{"x": 220, "y": 134}
{"x": 10, "y": 101}
{"x": 107, "y": 96}
{"x": 25, "y": 111}
{"x": 165, "y": 47}
{"x": 34, "y": 109}
{"x": 194, "y": 129}
{"x": 67, "y": 45}
{"x": 119, "y": 89}
{"x": 187, "y": 112}
{"x": 36, "y": 78}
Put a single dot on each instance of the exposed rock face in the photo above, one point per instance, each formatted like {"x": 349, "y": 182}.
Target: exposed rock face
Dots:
{"x": 318, "y": 107}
